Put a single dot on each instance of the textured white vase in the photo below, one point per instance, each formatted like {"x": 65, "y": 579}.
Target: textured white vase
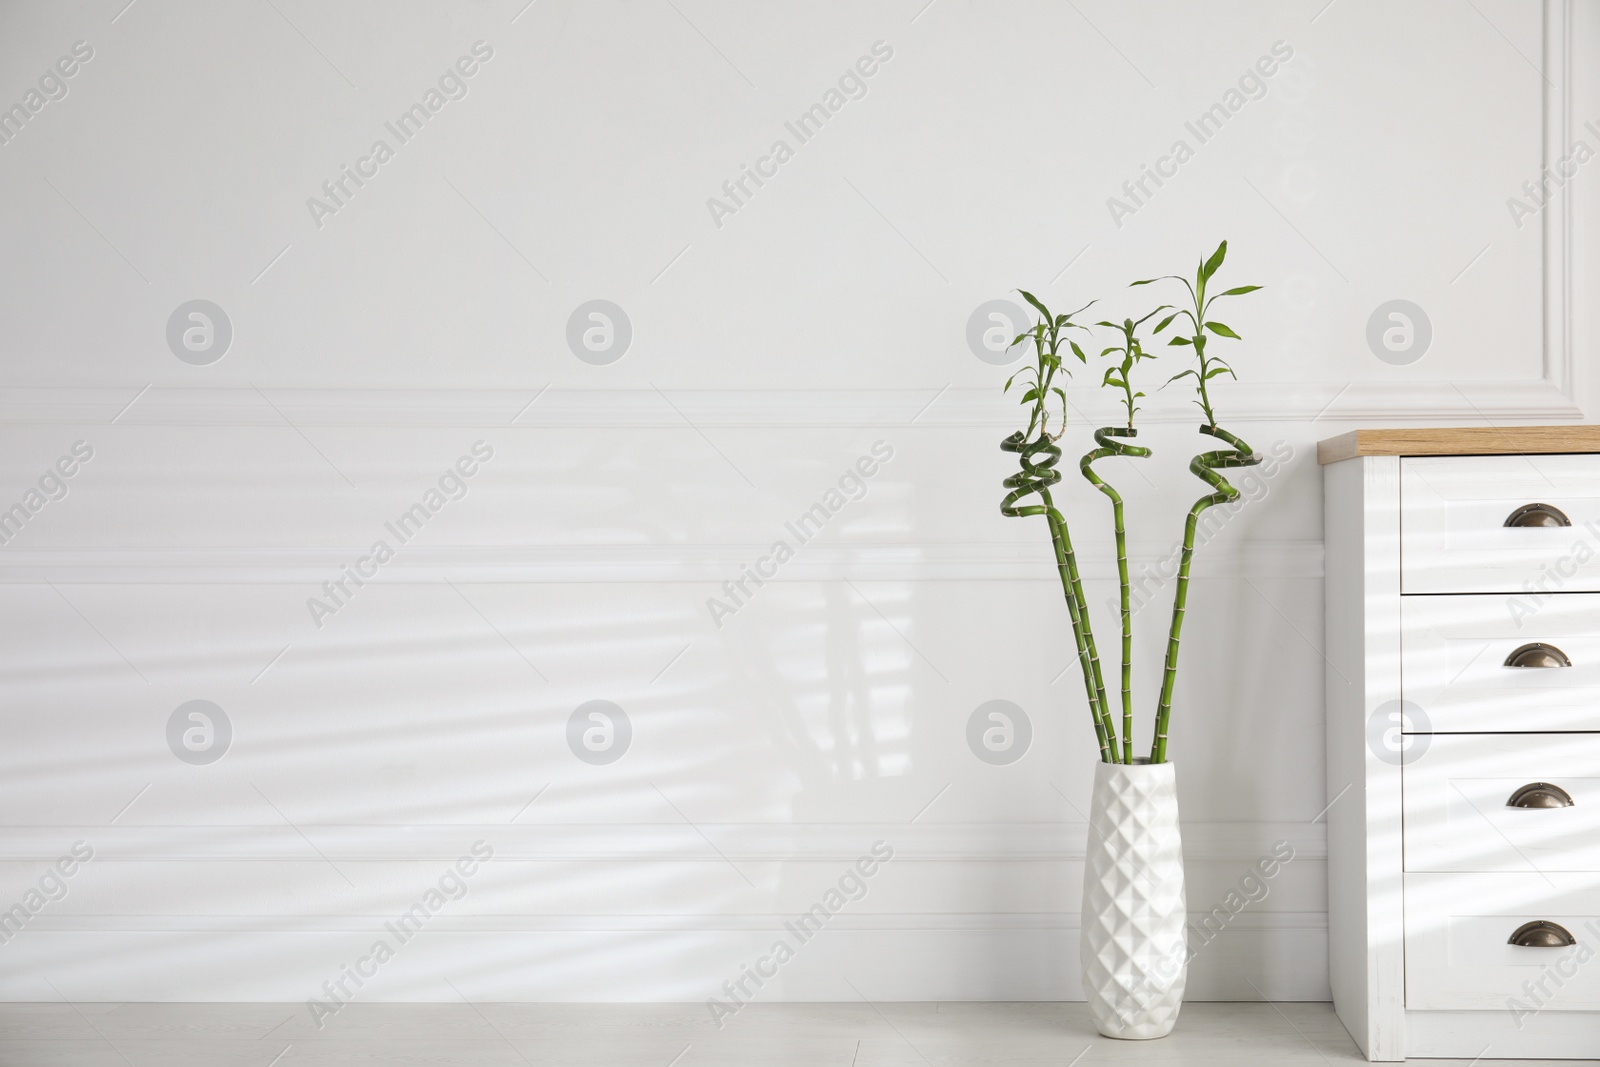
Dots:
{"x": 1134, "y": 943}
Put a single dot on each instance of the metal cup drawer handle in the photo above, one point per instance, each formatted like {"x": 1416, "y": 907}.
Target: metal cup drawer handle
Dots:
{"x": 1538, "y": 515}
{"x": 1541, "y": 933}
{"x": 1541, "y": 795}
{"x": 1538, "y": 654}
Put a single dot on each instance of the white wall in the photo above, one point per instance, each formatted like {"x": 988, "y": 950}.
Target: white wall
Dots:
{"x": 768, "y": 353}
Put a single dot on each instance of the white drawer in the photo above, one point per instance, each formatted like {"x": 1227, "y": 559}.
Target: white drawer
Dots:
{"x": 1457, "y": 928}
{"x": 1453, "y": 510}
{"x": 1453, "y": 663}
{"x": 1456, "y": 788}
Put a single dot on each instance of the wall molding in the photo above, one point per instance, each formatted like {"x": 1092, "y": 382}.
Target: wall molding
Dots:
{"x": 1240, "y": 843}
{"x": 1557, "y": 230}
{"x": 1280, "y": 956}
{"x": 846, "y": 921}
{"x": 1549, "y": 398}
{"x": 815, "y": 562}
{"x": 557, "y": 407}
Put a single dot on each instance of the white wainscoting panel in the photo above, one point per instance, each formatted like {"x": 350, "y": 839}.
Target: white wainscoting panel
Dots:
{"x": 405, "y": 366}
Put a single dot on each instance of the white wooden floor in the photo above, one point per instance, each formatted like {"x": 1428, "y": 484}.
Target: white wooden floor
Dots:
{"x": 812, "y": 1035}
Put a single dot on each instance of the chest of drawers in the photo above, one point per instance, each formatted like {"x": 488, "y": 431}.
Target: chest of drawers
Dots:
{"x": 1463, "y": 729}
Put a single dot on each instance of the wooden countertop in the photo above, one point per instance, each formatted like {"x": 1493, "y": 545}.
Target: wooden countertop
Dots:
{"x": 1460, "y": 441}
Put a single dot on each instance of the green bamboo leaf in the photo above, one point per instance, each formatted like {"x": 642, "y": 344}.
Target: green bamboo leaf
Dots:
{"x": 1182, "y": 374}
{"x": 1078, "y": 352}
{"x": 1213, "y": 372}
{"x": 1164, "y": 323}
{"x": 1180, "y": 341}
{"x": 1031, "y": 394}
{"x": 1030, "y": 298}
{"x": 1239, "y": 291}
{"x": 1223, "y": 329}
{"x": 1210, "y": 266}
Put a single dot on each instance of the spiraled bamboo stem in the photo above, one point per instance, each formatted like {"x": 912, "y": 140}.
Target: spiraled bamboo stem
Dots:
{"x": 1204, "y": 467}
{"x": 1117, "y": 448}
{"x": 1036, "y": 478}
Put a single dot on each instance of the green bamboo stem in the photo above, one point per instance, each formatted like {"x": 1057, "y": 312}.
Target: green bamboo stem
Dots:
{"x": 1117, "y": 448}
{"x": 1203, "y": 467}
{"x": 1087, "y": 631}
{"x": 1037, "y": 478}
{"x": 1097, "y": 710}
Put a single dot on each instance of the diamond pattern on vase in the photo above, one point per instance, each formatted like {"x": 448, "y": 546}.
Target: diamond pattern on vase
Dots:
{"x": 1134, "y": 946}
